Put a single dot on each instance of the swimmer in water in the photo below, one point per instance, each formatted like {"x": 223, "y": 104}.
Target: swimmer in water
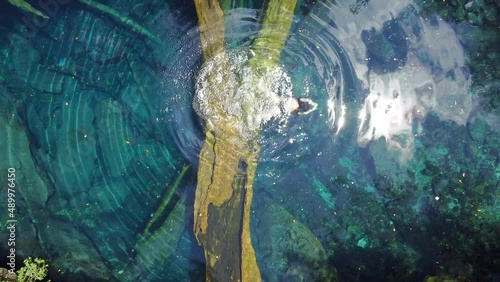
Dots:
{"x": 301, "y": 106}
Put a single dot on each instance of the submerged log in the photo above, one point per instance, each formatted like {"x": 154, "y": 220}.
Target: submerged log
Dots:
{"x": 228, "y": 159}
{"x": 271, "y": 40}
{"x": 117, "y": 16}
{"x": 224, "y": 190}
{"x": 27, "y": 7}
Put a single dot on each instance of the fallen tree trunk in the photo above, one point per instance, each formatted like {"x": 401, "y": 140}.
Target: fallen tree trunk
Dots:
{"x": 228, "y": 159}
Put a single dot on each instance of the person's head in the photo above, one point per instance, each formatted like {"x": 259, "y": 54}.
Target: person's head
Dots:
{"x": 301, "y": 106}
{"x": 305, "y": 106}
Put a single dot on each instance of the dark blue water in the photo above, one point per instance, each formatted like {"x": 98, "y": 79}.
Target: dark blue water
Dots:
{"x": 393, "y": 178}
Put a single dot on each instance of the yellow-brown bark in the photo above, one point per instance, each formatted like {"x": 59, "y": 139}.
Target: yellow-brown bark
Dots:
{"x": 228, "y": 160}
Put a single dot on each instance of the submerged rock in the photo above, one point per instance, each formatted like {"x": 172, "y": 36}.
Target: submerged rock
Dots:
{"x": 286, "y": 249}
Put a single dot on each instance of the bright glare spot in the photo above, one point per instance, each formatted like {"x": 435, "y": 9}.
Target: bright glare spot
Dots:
{"x": 398, "y": 101}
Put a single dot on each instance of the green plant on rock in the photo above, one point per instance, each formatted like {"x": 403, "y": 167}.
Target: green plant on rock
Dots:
{"x": 33, "y": 270}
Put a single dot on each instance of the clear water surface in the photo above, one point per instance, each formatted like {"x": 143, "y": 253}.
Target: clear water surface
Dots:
{"x": 393, "y": 178}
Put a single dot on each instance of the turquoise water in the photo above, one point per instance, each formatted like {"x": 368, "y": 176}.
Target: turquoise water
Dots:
{"x": 393, "y": 178}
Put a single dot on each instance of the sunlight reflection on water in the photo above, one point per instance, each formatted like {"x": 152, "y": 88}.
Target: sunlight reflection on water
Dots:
{"x": 433, "y": 77}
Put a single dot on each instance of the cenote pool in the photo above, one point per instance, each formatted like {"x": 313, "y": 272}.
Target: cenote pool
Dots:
{"x": 277, "y": 140}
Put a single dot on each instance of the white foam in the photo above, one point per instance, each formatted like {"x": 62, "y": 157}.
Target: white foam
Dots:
{"x": 248, "y": 98}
